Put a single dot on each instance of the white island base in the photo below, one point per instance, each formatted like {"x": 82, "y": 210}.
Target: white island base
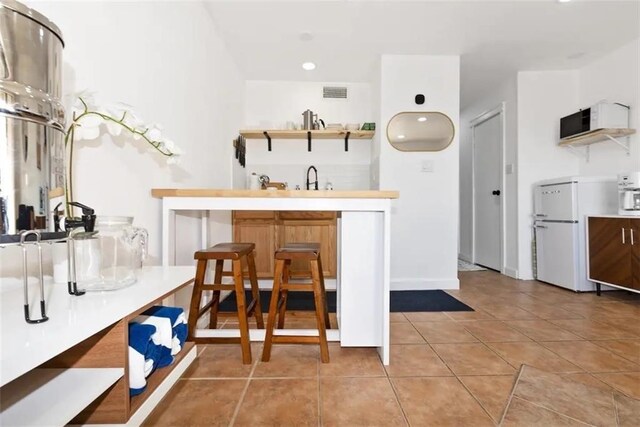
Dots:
{"x": 363, "y": 276}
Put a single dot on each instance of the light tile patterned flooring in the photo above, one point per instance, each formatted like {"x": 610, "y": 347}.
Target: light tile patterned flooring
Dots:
{"x": 453, "y": 369}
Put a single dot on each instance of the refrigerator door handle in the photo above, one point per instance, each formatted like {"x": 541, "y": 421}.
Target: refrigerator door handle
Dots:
{"x": 623, "y": 241}
{"x": 540, "y": 226}
{"x": 542, "y": 215}
{"x": 632, "y": 242}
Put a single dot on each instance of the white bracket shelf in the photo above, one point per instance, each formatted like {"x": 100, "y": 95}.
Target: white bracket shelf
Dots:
{"x": 598, "y": 135}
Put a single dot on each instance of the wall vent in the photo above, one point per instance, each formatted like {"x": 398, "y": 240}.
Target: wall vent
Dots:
{"x": 334, "y": 92}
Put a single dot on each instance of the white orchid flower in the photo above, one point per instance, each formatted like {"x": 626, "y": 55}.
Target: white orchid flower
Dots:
{"x": 169, "y": 145}
{"x": 113, "y": 128}
{"x": 154, "y": 134}
{"x": 87, "y": 133}
{"x": 172, "y": 160}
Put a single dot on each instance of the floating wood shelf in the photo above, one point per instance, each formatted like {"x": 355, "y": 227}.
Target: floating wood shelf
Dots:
{"x": 597, "y": 135}
{"x": 302, "y": 134}
{"x": 308, "y": 135}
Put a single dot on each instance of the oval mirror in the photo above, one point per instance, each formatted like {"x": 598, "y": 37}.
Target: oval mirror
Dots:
{"x": 420, "y": 131}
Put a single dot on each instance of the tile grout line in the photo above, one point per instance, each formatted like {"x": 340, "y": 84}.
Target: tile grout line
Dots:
{"x": 555, "y": 412}
{"x": 395, "y": 393}
{"x": 319, "y": 394}
{"x": 486, "y": 411}
{"x": 243, "y": 394}
{"x": 513, "y": 391}
{"x": 615, "y": 408}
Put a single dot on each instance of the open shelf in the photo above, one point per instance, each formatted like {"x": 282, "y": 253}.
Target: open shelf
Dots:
{"x": 302, "y": 134}
{"x": 594, "y": 136}
{"x": 156, "y": 378}
{"x": 53, "y": 396}
{"x": 309, "y": 135}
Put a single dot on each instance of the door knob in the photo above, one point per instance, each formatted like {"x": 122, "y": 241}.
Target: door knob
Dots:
{"x": 496, "y": 192}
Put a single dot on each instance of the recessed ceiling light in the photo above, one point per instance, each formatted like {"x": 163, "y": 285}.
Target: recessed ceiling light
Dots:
{"x": 564, "y": 1}
{"x": 309, "y": 66}
{"x": 400, "y": 136}
{"x": 422, "y": 119}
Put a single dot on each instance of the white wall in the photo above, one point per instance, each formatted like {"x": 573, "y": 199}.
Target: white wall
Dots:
{"x": 271, "y": 104}
{"x": 424, "y": 224}
{"x": 543, "y": 97}
{"x": 614, "y": 77}
{"x": 166, "y": 60}
{"x": 506, "y": 93}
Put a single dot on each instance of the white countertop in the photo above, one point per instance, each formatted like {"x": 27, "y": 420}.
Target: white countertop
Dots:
{"x": 72, "y": 319}
{"x": 288, "y": 194}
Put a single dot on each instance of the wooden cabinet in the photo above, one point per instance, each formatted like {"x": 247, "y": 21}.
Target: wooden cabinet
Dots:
{"x": 269, "y": 230}
{"x": 257, "y": 227}
{"x": 614, "y": 251}
{"x": 307, "y": 229}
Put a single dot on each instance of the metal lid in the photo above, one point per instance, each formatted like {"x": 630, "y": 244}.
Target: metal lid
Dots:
{"x": 32, "y": 14}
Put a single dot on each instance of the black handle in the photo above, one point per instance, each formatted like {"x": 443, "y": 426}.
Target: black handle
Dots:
{"x": 496, "y": 192}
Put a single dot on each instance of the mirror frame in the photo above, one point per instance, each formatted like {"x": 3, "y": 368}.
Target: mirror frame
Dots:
{"x": 453, "y": 127}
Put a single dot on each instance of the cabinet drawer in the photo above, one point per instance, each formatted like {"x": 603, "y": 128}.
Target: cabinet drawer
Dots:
{"x": 254, "y": 215}
{"x": 287, "y": 215}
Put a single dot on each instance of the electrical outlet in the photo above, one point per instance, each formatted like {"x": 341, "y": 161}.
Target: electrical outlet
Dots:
{"x": 427, "y": 166}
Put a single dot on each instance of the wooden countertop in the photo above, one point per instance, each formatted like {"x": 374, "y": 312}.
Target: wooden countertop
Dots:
{"x": 299, "y": 194}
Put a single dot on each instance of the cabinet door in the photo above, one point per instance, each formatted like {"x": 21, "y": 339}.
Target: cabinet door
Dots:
{"x": 635, "y": 253}
{"x": 263, "y": 234}
{"x": 321, "y": 231}
{"x": 610, "y": 251}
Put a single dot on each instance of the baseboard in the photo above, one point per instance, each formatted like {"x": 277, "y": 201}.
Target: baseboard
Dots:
{"x": 423, "y": 284}
{"x": 511, "y": 272}
{"x": 466, "y": 258}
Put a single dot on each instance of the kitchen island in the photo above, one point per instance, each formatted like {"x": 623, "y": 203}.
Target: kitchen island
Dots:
{"x": 363, "y": 270}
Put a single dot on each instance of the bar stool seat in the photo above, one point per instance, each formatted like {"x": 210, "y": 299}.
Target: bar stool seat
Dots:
{"x": 237, "y": 253}
{"x": 281, "y": 287}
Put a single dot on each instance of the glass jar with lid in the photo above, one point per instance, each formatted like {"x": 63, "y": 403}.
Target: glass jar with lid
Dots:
{"x": 123, "y": 248}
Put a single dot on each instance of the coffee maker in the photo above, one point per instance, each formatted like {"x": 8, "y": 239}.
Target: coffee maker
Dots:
{"x": 629, "y": 193}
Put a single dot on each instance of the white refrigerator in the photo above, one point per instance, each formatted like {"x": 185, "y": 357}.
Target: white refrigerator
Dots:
{"x": 560, "y": 207}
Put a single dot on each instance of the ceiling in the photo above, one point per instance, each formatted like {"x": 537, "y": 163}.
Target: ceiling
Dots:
{"x": 494, "y": 38}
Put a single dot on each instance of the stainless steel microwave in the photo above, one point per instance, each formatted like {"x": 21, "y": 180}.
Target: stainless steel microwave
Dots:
{"x": 599, "y": 116}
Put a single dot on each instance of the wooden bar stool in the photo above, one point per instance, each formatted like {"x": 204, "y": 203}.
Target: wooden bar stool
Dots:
{"x": 235, "y": 252}
{"x": 281, "y": 286}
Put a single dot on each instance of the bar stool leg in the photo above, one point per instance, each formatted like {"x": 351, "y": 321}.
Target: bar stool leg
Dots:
{"x": 325, "y": 307}
{"x": 215, "y": 298}
{"x": 273, "y": 305}
{"x": 242, "y": 312}
{"x": 255, "y": 290}
{"x": 320, "y": 302}
{"x": 284, "y": 294}
{"x": 196, "y": 297}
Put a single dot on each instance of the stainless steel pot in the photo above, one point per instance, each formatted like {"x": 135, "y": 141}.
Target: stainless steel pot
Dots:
{"x": 32, "y": 118}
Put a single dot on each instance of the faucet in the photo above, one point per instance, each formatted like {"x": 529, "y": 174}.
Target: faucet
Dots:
{"x": 314, "y": 182}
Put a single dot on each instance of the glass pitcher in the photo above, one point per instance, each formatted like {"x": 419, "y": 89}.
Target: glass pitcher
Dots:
{"x": 123, "y": 248}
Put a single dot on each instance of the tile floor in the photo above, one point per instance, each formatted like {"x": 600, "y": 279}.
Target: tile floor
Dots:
{"x": 453, "y": 369}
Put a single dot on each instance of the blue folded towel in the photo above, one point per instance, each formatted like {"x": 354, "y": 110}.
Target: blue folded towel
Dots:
{"x": 172, "y": 330}
{"x": 155, "y": 337}
{"x": 143, "y": 354}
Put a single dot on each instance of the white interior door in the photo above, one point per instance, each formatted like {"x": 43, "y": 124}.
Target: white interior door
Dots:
{"x": 487, "y": 183}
